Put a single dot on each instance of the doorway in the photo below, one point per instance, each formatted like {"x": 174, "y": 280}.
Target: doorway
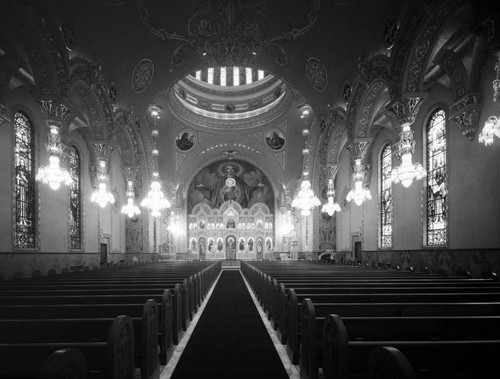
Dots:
{"x": 104, "y": 253}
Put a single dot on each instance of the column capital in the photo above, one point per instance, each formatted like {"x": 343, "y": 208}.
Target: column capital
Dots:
{"x": 405, "y": 109}
{"x": 56, "y": 114}
{"x": 358, "y": 147}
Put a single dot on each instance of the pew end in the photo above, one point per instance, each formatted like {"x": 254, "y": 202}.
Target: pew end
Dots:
{"x": 387, "y": 362}
{"x": 64, "y": 363}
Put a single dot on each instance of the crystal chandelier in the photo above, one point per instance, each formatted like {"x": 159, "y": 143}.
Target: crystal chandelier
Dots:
{"x": 54, "y": 175}
{"x": 359, "y": 194}
{"x": 102, "y": 196}
{"x": 155, "y": 199}
{"x": 492, "y": 125}
{"x": 330, "y": 207}
{"x": 407, "y": 171}
{"x": 130, "y": 209}
{"x": 305, "y": 199}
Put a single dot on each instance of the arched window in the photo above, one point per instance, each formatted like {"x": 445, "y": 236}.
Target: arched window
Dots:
{"x": 75, "y": 230}
{"x": 386, "y": 197}
{"x": 24, "y": 186}
{"x": 437, "y": 180}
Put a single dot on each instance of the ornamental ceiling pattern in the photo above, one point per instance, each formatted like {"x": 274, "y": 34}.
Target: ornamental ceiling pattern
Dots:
{"x": 228, "y": 32}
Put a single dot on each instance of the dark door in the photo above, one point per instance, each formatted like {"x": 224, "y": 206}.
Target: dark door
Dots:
{"x": 357, "y": 251}
{"x": 104, "y": 253}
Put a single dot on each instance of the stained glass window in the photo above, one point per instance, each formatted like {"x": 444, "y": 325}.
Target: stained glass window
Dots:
{"x": 386, "y": 197}
{"x": 75, "y": 232}
{"x": 437, "y": 191}
{"x": 25, "y": 227}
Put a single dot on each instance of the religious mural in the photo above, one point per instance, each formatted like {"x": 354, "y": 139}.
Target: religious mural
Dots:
{"x": 231, "y": 213}
{"x": 185, "y": 140}
{"x": 230, "y": 180}
{"x": 275, "y": 139}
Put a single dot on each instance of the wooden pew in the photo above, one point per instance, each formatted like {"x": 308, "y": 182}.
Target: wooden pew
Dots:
{"x": 431, "y": 359}
{"x": 111, "y": 356}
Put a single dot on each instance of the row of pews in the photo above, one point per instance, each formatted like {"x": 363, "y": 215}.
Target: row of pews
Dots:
{"x": 104, "y": 323}
{"x": 356, "y": 322}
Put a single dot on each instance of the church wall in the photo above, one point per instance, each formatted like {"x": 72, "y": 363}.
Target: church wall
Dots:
{"x": 6, "y": 187}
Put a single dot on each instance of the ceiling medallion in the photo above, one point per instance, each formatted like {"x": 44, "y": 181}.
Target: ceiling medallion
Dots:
{"x": 142, "y": 75}
{"x": 228, "y": 33}
{"x": 316, "y": 73}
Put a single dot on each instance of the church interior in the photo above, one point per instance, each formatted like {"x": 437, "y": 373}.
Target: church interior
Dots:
{"x": 202, "y": 134}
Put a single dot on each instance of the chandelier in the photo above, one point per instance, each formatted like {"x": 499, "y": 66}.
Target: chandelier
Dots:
{"x": 130, "y": 209}
{"x": 155, "y": 200}
{"x": 102, "y": 196}
{"x": 492, "y": 125}
{"x": 330, "y": 207}
{"x": 305, "y": 199}
{"x": 54, "y": 175}
{"x": 359, "y": 194}
{"x": 407, "y": 171}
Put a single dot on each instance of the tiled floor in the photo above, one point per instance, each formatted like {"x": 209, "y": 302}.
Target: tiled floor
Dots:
{"x": 292, "y": 370}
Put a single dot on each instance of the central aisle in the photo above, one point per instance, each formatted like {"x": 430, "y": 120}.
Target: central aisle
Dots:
{"x": 230, "y": 340}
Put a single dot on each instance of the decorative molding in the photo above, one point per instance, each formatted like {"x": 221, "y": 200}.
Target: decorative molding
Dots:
{"x": 202, "y": 136}
{"x": 281, "y": 157}
{"x": 466, "y": 112}
{"x": 422, "y": 47}
{"x": 178, "y": 159}
{"x": 452, "y": 64}
{"x": 142, "y": 74}
{"x": 316, "y": 74}
{"x": 226, "y": 35}
{"x": 283, "y": 125}
{"x": 257, "y": 136}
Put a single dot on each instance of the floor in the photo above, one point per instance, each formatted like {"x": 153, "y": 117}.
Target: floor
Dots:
{"x": 292, "y": 370}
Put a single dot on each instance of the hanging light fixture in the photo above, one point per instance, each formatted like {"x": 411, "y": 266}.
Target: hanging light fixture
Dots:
{"x": 407, "y": 171}
{"x": 54, "y": 175}
{"x": 155, "y": 200}
{"x": 359, "y": 194}
{"x": 305, "y": 199}
{"x": 330, "y": 207}
{"x": 101, "y": 195}
{"x": 130, "y": 209}
{"x": 492, "y": 125}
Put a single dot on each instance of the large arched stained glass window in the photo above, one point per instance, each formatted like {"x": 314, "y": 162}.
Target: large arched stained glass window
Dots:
{"x": 75, "y": 231}
{"x": 24, "y": 186}
{"x": 386, "y": 197}
{"x": 437, "y": 187}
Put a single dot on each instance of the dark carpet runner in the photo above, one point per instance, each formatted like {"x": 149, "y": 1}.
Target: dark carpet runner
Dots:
{"x": 230, "y": 339}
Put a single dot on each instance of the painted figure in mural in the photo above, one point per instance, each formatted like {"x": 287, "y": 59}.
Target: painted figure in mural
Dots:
{"x": 275, "y": 140}
{"x": 231, "y": 243}
{"x": 231, "y": 224}
{"x": 185, "y": 141}
{"x": 242, "y": 244}
{"x": 219, "y": 245}
{"x": 260, "y": 245}
{"x": 210, "y": 245}
{"x": 268, "y": 244}
{"x": 202, "y": 247}
{"x": 250, "y": 244}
